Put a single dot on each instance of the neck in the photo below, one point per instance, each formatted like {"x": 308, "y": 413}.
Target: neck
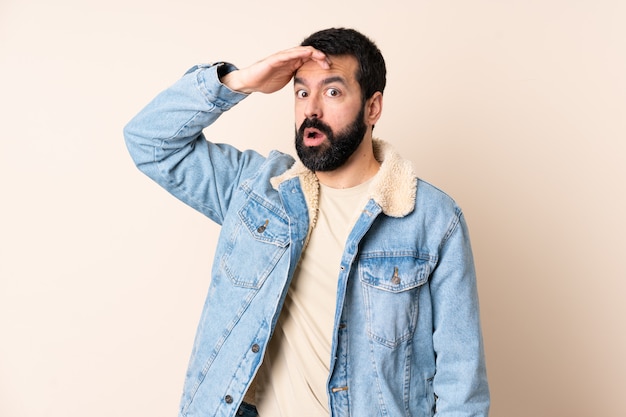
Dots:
{"x": 360, "y": 167}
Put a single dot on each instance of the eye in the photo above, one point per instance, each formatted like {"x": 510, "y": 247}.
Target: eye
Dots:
{"x": 333, "y": 92}
{"x": 302, "y": 94}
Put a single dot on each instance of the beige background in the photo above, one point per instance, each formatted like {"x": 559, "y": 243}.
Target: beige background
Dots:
{"x": 516, "y": 108}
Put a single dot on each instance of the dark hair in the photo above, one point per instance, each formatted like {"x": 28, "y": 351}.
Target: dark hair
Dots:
{"x": 371, "y": 73}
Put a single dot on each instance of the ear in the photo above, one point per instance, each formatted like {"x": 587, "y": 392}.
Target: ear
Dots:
{"x": 373, "y": 108}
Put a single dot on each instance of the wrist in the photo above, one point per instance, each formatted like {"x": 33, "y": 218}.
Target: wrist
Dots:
{"x": 230, "y": 77}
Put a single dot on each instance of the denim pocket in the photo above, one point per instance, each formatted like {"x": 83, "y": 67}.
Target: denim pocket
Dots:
{"x": 391, "y": 287}
{"x": 255, "y": 245}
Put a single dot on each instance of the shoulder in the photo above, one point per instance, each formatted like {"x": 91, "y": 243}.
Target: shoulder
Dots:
{"x": 431, "y": 197}
{"x": 436, "y": 210}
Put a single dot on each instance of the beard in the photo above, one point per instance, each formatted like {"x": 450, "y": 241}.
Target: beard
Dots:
{"x": 336, "y": 150}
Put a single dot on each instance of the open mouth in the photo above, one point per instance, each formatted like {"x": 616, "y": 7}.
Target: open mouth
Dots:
{"x": 312, "y": 134}
{"x": 313, "y": 137}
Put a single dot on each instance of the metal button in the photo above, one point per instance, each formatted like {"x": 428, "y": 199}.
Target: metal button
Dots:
{"x": 255, "y": 348}
{"x": 262, "y": 228}
{"x": 395, "y": 280}
{"x": 228, "y": 399}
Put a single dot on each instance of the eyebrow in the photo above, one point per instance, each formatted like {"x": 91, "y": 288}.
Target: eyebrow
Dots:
{"x": 325, "y": 81}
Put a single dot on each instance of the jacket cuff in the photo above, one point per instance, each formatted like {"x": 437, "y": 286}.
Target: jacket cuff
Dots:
{"x": 208, "y": 82}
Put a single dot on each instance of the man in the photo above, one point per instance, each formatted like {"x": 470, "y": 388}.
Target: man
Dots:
{"x": 342, "y": 284}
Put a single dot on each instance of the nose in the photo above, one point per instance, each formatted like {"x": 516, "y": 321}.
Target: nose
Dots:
{"x": 313, "y": 108}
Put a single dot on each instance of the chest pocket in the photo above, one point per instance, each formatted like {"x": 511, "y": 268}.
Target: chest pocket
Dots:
{"x": 391, "y": 286}
{"x": 258, "y": 241}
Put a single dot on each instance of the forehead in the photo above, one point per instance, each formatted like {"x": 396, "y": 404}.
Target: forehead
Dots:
{"x": 343, "y": 66}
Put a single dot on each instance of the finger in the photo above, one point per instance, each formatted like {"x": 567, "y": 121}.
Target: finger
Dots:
{"x": 304, "y": 54}
{"x": 321, "y": 58}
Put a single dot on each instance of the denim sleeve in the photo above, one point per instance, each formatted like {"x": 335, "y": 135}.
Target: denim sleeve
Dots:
{"x": 167, "y": 143}
{"x": 460, "y": 381}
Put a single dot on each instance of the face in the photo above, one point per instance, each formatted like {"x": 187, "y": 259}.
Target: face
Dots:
{"x": 329, "y": 107}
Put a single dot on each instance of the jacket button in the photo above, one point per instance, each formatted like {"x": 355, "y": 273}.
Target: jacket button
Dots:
{"x": 255, "y": 348}
{"x": 262, "y": 228}
{"x": 395, "y": 280}
{"x": 228, "y": 399}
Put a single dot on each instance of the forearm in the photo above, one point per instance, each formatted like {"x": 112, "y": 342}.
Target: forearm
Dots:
{"x": 178, "y": 115}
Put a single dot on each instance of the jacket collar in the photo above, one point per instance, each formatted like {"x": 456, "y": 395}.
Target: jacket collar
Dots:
{"x": 394, "y": 187}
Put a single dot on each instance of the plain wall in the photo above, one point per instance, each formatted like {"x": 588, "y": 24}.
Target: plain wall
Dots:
{"x": 515, "y": 108}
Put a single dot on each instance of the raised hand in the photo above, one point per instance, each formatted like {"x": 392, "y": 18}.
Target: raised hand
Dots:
{"x": 274, "y": 72}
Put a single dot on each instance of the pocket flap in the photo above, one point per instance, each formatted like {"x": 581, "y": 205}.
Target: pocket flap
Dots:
{"x": 265, "y": 224}
{"x": 394, "y": 273}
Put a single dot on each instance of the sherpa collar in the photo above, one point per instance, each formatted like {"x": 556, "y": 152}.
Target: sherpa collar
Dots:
{"x": 394, "y": 187}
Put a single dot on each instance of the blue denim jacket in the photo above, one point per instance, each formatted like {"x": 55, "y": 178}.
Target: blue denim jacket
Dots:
{"x": 407, "y": 338}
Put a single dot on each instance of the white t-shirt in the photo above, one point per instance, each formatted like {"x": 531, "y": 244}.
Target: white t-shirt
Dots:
{"x": 292, "y": 379}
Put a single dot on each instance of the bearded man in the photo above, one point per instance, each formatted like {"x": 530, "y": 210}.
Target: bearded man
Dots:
{"x": 342, "y": 284}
